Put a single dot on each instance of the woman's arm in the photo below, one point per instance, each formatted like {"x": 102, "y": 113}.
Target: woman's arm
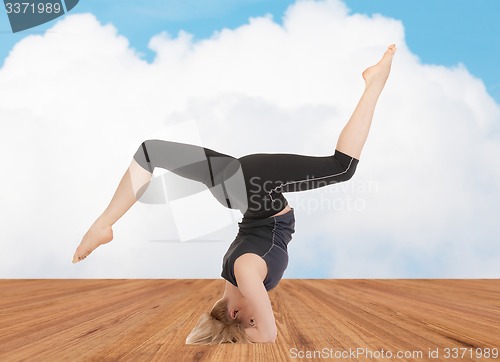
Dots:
{"x": 250, "y": 271}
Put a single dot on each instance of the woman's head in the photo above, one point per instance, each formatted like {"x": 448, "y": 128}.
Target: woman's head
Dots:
{"x": 217, "y": 327}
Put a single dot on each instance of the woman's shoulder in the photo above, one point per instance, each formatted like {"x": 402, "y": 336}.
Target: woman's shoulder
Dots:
{"x": 250, "y": 263}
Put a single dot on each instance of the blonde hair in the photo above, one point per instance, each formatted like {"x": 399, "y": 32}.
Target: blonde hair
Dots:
{"x": 216, "y": 327}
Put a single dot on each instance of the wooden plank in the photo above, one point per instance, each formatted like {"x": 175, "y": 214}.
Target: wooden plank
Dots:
{"x": 148, "y": 320}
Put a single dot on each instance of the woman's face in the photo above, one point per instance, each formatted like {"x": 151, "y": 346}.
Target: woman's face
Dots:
{"x": 243, "y": 313}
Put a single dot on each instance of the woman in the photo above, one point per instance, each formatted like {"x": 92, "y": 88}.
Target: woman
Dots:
{"x": 254, "y": 184}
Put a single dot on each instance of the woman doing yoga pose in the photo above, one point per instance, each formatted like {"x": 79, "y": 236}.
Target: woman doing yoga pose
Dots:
{"x": 254, "y": 184}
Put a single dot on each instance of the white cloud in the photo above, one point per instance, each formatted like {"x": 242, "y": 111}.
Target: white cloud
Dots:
{"x": 77, "y": 101}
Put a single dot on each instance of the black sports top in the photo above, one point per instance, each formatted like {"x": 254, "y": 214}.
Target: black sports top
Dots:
{"x": 267, "y": 238}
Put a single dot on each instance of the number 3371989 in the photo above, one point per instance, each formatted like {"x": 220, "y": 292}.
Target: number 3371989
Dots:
{"x": 23, "y": 8}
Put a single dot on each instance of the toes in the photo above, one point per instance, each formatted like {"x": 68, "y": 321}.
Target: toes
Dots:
{"x": 77, "y": 259}
{"x": 80, "y": 255}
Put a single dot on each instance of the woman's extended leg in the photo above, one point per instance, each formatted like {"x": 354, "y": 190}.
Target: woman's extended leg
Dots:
{"x": 270, "y": 175}
{"x": 189, "y": 161}
{"x": 134, "y": 179}
{"x": 354, "y": 135}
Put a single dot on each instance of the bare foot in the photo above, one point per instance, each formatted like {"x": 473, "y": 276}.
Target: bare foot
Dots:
{"x": 98, "y": 234}
{"x": 376, "y": 75}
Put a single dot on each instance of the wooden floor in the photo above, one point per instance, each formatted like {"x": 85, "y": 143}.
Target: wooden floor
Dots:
{"x": 148, "y": 320}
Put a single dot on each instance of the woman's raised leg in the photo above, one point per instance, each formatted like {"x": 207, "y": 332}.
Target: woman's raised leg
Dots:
{"x": 354, "y": 135}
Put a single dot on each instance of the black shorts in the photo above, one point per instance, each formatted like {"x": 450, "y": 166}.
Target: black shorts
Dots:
{"x": 253, "y": 184}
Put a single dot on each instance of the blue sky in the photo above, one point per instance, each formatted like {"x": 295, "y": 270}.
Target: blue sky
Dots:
{"x": 444, "y": 32}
